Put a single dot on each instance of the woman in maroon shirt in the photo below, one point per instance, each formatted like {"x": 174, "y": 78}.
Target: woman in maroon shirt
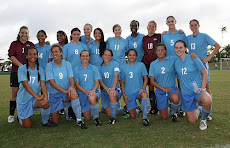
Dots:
{"x": 16, "y": 54}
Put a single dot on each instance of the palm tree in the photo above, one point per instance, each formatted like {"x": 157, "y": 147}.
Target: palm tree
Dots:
{"x": 226, "y": 49}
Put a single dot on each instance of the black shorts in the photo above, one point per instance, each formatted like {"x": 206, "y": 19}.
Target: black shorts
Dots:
{"x": 147, "y": 68}
{"x": 14, "y": 79}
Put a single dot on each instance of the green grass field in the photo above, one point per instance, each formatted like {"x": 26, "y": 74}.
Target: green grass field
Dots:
{"x": 126, "y": 132}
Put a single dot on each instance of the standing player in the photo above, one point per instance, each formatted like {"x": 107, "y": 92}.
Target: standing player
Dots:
{"x": 149, "y": 43}
{"x": 32, "y": 79}
{"x": 135, "y": 40}
{"x": 193, "y": 77}
{"x": 16, "y": 54}
{"x": 118, "y": 45}
{"x": 133, "y": 85}
{"x": 109, "y": 82}
{"x": 87, "y": 79}
{"x": 198, "y": 43}
{"x": 61, "y": 89}
{"x": 43, "y": 49}
{"x": 85, "y": 39}
{"x": 72, "y": 50}
{"x": 162, "y": 76}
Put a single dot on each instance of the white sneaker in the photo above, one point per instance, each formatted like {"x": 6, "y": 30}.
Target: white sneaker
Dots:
{"x": 11, "y": 119}
{"x": 203, "y": 125}
{"x": 209, "y": 118}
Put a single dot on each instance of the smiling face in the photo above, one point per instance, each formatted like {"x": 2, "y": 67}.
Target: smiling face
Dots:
{"x": 32, "y": 55}
{"x": 76, "y": 36}
{"x": 41, "y": 37}
{"x": 97, "y": 35}
{"x": 117, "y": 31}
{"x": 87, "y": 30}
{"x": 107, "y": 56}
{"x": 60, "y": 38}
{"x": 56, "y": 53}
{"x": 151, "y": 28}
{"x": 84, "y": 57}
{"x": 134, "y": 27}
{"x": 180, "y": 49}
{"x": 161, "y": 51}
{"x": 194, "y": 26}
{"x": 132, "y": 56}
{"x": 23, "y": 35}
{"x": 171, "y": 22}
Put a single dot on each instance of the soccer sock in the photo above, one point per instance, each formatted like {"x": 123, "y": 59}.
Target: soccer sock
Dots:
{"x": 45, "y": 113}
{"x": 95, "y": 111}
{"x": 12, "y": 107}
{"x": 113, "y": 109}
{"x": 152, "y": 98}
{"x": 145, "y": 107}
{"x": 76, "y": 108}
{"x": 174, "y": 107}
{"x": 211, "y": 107}
{"x": 204, "y": 114}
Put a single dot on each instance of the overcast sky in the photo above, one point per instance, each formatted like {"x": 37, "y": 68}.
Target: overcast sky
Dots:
{"x": 54, "y": 15}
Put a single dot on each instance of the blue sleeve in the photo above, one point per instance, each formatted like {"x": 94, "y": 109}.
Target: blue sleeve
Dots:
{"x": 162, "y": 39}
{"x": 143, "y": 70}
{"x": 22, "y": 74}
{"x": 116, "y": 68}
{"x": 97, "y": 75}
{"x": 126, "y": 45}
{"x": 151, "y": 70}
{"x": 65, "y": 51}
{"x": 185, "y": 39}
{"x": 107, "y": 43}
{"x": 122, "y": 77}
{"x": 76, "y": 78}
{"x": 49, "y": 72}
{"x": 198, "y": 64}
{"x": 42, "y": 74}
{"x": 70, "y": 70}
{"x": 49, "y": 52}
{"x": 209, "y": 40}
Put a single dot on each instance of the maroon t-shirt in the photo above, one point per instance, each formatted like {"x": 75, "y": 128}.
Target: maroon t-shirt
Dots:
{"x": 149, "y": 44}
{"x": 17, "y": 50}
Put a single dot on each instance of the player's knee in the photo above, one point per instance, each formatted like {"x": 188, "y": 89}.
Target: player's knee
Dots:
{"x": 192, "y": 120}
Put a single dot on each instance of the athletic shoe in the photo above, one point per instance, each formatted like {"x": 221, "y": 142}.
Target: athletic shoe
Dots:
{"x": 174, "y": 118}
{"x": 49, "y": 124}
{"x": 209, "y": 118}
{"x": 11, "y": 119}
{"x": 140, "y": 109}
{"x": 111, "y": 121}
{"x": 126, "y": 114}
{"x": 62, "y": 112}
{"x": 181, "y": 113}
{"x": 203, "y": 125}
{"x": 97, "y": 122}
{"x": 145, "y": 122}
{"x": 153, "y": 112}
{"x": 81, "y": 124}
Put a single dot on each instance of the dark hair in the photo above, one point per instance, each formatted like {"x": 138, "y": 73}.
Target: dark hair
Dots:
{"x": 169, "y": 17}
{"x": 56, "y": 45}
{"x": 42, "y": 32}
{"x": 109, "y": 51}
{"x": 23, "y": 27}
{"x": 135, "y": 22}
{"x": 102, "y": 45}
{"x": 195, "y": 20}
{"x": 132, "y": 50}
{"x": 116, "y": 25}
{"x": 75, "y": 29}
{"x": 163, "y": 45}
{"x": 182, "y": 41}
{"x": 83, "y": 51}
{"x": 27, "y": 63}
{"x": 63, "y": 33}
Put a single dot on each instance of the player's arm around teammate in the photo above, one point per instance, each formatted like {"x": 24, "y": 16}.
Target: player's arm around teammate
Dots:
{"x": 109, "y": 82}
{"x": 193, "y": 77}
{"x": 87, "y": 81}
{"x": 60, "y": 76}
{"x": 133, "y": 86}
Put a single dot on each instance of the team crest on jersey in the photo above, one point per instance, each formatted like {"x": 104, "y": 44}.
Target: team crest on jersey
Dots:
{"x": 155, "y": 39}
{"x": 27, "y": 45}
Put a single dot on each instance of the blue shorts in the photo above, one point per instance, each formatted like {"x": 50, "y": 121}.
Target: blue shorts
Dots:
{"x": 132, "y": 103}
{"x": 57, "y": 102}
{"x": 162, "y": 99}
{"x": 25, "y": 111}
{"x": 207, "y": 68}
{"x": 189, "y": 102}
{"x": 84, "y": 101}
{"x": 105, "y": 97}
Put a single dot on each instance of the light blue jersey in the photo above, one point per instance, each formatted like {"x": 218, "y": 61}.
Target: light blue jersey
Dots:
{"x": 164, "y": 71}
{"x": 137, "y": 44}
{"x": 198, "y": 44}
{"x": 71, "y": 52}
{"x": 95, "y": 58}
{"x": 133, "y": 76}
{"x": 23, "y": 97}
{"x": 60, "y": 75}
{"x": 84, "y": 41}
{"x": 118, "y": 47}
{"x": 189, "y": 73}
{"x": 86, "y": 77}
{"x": 43, "y": 54}
{"x": 108, "y": 73}
{"x": 170, "y": 39}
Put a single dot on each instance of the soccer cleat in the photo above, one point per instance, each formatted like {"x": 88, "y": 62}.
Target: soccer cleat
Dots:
{"x": 62, "y": 112}
{"x": 97, "y": 122}
{"x": 126, "y": 114}
{"x": 11, "y": 119}
{"x": 203, "y": 125}
{"x": 145, "y": 122}
{"x": 174, "y": 118}
{"x": 111, "y": 121}
{"x": 209, "y": 118}
{"x": 82, "y": 124}
{"x": 49, "y": 124}
{"x": 181, "y": 113}
{"x": 153, "y": 112}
